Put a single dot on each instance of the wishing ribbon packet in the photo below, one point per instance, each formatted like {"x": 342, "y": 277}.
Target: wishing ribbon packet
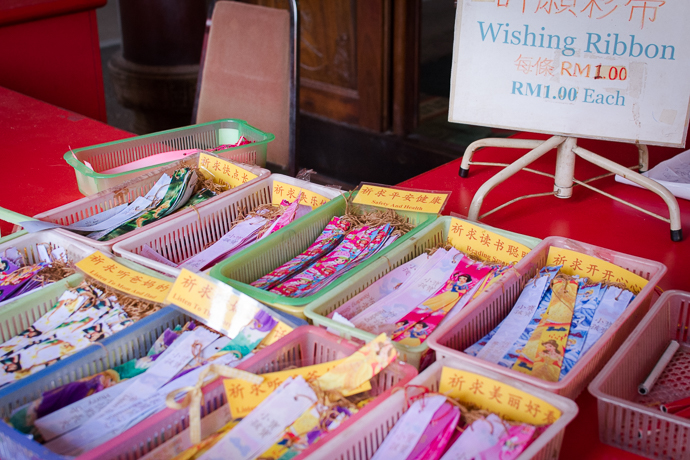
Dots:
{"x": 412, "y": 300}
{"x": 187, "y": 183}
{"x": 368, "y": 227}
{"x": 18, "y": 277}
{"x": 467, "y": 417}
{"x": 559, "y": 316}
{"x": 291, "y": 409}
{"x": 250, "y": 227}
{"x": 111, "y": 298}
{"x": 78, "y": 417}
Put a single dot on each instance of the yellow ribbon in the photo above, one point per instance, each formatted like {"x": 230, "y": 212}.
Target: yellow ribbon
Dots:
{"x": 195, "y": 397}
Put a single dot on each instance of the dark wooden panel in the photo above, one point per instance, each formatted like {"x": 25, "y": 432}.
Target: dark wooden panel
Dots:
{"x": 352, "y": 154}
{"x": 344, "y": 68}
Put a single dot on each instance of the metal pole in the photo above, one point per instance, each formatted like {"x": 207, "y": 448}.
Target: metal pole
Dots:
{"x": 671, "y": 202}
{"x": 516, "y": 166}
{"x": 565, "y": 169}
{"x": 494, "y": 142}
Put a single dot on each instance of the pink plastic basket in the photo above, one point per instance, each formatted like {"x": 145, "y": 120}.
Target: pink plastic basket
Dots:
{"x": 361, "y": 441}
{"x": 305, "y": 346}
{"x": 625, "y": 421}
{"x": 474, "y": 323}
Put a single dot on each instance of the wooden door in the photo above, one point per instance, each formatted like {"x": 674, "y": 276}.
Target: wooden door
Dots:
{"x": 358, "y": 61}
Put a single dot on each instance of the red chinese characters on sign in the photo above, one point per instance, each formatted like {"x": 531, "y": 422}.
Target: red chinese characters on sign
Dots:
{"x": 97, "y": 259}
{"x": 456, "y": 381}
{"x": 485, "y": 239}
{"x": 641, "y": 12}
{"x": 476, "y": 387}
{"x": 540, "y": 66}
{"x": 496, "y": 394}
{"x": 109, "y": 268}
{"x": 514, "y": 401}
{"x": 206, "y": 291}
{"x": 189, "y": 282}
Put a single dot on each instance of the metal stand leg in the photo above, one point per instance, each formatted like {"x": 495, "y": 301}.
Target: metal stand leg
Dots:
{"x": 529, "y": 157}
{"x": 494, "y": 142}
{"x": 671, "y": 202}
{"x": 643, "y": 153}
{"x": 565, "y": 168}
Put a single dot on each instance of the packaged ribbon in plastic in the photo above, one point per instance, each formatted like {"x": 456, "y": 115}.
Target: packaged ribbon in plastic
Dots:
{"x": 557, "y": 318}
{"x": 412, "y": 300}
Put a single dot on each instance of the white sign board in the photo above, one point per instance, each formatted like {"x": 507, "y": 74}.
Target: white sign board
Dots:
{"x": 605, "y": 69}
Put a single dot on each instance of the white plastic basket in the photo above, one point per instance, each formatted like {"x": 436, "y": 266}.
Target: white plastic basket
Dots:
{"x": 360, "y": 441}
{"x": 26, "y": 244}
{"x": 128, "y": 192}
{"x": 190, "y": 234}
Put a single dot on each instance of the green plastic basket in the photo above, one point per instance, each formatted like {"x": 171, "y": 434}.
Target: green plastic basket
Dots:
{"x": 431, "y": 236}
{"x": 202, "y": 136}
{"x": 267, "y": 255}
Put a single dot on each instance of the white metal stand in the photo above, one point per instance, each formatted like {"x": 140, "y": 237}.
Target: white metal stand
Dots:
{"x": 567, "y": 149}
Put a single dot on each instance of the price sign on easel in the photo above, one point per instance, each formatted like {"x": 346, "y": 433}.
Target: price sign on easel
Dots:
{"x": 605, "y": 69}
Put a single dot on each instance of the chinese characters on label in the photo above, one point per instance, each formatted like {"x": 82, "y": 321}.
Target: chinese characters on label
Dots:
{"x": 223, "y": 171}
{"x": 399, "y": 199}
{"x": 282, "y": 191}
{"x": 497, "y": 397}
{"x": 484, "y": 244}
{"x": 125, "y": 279}
{"x": 597, "y": 270}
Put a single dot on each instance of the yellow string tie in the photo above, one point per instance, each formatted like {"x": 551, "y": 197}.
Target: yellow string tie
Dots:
{"x": 195, "y": 397}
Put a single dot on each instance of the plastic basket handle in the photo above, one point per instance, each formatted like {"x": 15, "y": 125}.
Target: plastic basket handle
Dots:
{"x": 13, "y": 218}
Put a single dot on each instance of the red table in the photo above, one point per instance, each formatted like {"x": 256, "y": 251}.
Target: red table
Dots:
{"x": 34, "y": 136}
{"x": 49, "y": 49}
{"x": 588, "y": 217}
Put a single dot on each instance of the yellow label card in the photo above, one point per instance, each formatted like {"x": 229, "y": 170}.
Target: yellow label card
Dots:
{"x": 597, "y": 270}
{"x": 278, "y": 332}
{"x": 243, "y": 396}
{"x": 125, "y": 279}
{"x": 216, "y": 304}
{"x": 400, "y": 199}
{"x": 223, "y": 171}
{"x": 484, "y": 244}
{"x": 282, "y": 191}
{"x": 497, "y": 397}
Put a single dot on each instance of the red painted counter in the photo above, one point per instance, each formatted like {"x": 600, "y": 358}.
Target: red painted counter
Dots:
{"x": 49, "y": 50}
{"x": 588, "y": 217}
{"x": 33, "y": 138}
{"x": 35, "y": 135}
